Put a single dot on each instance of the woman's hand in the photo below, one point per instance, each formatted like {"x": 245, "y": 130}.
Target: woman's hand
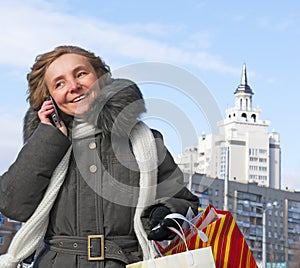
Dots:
{"x": 44, "y": 114}
{"x": 157, "y": 219}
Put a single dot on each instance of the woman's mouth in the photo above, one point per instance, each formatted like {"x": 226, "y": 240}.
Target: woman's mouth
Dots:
{"x": 78, "y": 99}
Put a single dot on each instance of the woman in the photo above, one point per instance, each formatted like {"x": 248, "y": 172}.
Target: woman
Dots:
{"x": 93, "y": 221}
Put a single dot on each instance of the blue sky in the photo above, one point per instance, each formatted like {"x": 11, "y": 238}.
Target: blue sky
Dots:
{"x": 208, "y": 39}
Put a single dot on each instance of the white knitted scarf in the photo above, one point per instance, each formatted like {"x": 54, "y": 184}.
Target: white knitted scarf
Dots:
{"x": 28, "y": 238}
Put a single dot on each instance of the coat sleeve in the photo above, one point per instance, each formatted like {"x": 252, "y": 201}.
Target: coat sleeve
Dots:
{"x": 171, "y": 190}
{"x": 23, "y": 185}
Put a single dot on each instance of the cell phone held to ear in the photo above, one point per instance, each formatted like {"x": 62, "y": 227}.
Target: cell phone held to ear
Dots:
{"x": 54, "y": 117}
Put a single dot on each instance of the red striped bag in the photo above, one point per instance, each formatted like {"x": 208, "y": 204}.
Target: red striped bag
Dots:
{"x": 228, "y": 244}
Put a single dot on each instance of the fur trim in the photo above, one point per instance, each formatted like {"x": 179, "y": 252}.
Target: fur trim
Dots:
{"x": 30, "y": 123}
{"x": 116, "y": 109}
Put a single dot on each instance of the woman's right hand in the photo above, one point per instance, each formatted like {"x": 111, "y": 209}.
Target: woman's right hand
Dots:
{"x": 44, "y": 114}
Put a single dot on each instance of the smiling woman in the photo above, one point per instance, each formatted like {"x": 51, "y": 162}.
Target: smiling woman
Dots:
{"x": 79, "y": 187}
{"x": 50, "y": 70}
{"x": 71, "y": 81}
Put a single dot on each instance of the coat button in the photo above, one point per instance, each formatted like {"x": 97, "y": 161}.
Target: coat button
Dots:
{"x": 92, "y": 145}
{"x": 93, "y": 168}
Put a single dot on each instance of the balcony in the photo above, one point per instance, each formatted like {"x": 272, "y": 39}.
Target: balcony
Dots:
{"x": 292, "y": 231}
{"x": 294, "y": 209}
{"x": 255, "y": 214}
{"x": 242, "y": 224}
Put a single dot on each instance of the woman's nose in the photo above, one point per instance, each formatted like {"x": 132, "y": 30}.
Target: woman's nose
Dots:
{"x": 74, "y": 85}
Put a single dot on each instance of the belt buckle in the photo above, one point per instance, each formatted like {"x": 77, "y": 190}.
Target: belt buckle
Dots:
{"x": 98, "y": 258}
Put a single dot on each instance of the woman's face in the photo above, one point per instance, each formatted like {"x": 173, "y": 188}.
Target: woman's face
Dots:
{"x": 72, "y": 82}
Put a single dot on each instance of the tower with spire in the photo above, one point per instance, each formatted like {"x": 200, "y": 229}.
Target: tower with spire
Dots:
{"x": 244, "y": 151}
{"x": 243, "y": 111}
{"x": 243, "y": 94}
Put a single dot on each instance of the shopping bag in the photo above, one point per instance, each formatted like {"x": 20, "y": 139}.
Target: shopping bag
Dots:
{"x": 228, "y": 244}
{"x": 198, "y": 258}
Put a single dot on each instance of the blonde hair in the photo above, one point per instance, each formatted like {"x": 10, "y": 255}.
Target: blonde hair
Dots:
{"x": 37, "y": 88}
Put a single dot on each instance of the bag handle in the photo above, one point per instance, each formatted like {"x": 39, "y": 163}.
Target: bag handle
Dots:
{"x": 189, "y": 255}
{"x": 180, "y": 233}
{"x": 175, "y": 216}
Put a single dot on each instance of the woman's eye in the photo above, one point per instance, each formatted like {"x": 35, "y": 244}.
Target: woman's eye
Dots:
{"x": 81, "y": 74}
{"x": 59, "y": 84}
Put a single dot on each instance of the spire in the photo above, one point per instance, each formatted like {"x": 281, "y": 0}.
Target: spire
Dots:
{"x": 244, "y": 76}
{"x": 243, "y": 87}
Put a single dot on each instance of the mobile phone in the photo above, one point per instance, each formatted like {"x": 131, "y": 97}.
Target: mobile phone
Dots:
{"x": 54, "y": 117}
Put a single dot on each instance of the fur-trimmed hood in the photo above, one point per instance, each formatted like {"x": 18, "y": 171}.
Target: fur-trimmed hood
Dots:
{"x": 117, "y": 108}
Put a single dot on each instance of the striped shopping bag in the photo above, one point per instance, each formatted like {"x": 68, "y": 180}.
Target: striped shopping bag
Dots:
{"x": 229, "y": 247}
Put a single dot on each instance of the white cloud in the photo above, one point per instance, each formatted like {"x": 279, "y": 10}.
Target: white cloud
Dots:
{"x": 264, "y": 22}
{"x": 284, "y": 24}
{"x": 198, "y": 41}
{"x": 35, "y": 27}
{"x": 275, "y": 24}
{"x": 152, "y": 29}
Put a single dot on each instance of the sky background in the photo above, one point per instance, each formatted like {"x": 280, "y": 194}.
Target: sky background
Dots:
{"x": 210, "y": 40}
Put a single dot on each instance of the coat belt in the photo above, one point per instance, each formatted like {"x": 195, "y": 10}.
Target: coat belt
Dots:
{"x": 92, "y": 246}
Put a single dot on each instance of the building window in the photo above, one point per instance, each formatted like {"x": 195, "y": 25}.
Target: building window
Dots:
{"x": 262, "y": 178}
{"x": 253, "y": 177}
{"x": 253, "y": 152}
{"x": 244, "y": 116}
{"x": 269, "y": 234}
{"x": 262, "y": 151}
{"x": 1, "y": 240}
{"x": 281, "y": 213}
{"x": 270, "y": 212}
{"x": 262, "y": 168}
{"x": 1, "y": 219}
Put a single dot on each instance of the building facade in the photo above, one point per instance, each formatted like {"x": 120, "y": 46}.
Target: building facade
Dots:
{"x": 249, "y": 204}
{"x": 8, "y": 229}
{"x": 243, "y": 151}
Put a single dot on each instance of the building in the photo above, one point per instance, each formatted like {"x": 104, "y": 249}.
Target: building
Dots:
{"x": 243, "y": 151}
{"x": 8, "y": 229}
{"x": 253, "y": 208}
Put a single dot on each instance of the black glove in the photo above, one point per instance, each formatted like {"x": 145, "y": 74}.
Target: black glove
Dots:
{"x": 156, "y": 217}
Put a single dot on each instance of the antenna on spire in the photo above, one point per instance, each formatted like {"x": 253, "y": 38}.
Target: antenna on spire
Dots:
{"x": 244, "y": 76}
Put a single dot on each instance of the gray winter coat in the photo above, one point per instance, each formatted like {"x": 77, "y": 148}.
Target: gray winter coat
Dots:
{"x": 90, "y": 202}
